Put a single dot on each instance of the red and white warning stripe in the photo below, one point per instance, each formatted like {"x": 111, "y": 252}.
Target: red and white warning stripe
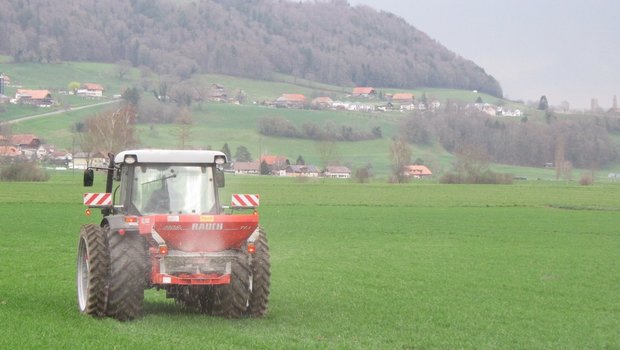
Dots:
{"x": 98, "y": 199}
{"x": 245, "y": 200}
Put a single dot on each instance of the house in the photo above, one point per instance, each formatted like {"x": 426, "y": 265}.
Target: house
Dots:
{"x": 302, "y": 170}
{"x": 417, "y": 171}
{"x": 9, "y": 152}
{"x": 322, "y": 102}
{"x": 217, "y": 93}
{"x": 403, "y": 98}
{"x": 59, "y": 158}
{"x": 364, "y": 92}
{"x": 275, "y": 162}
{"x": 338, "y": 172}
{"x": 2, "y": 82}
{"x": 291, "y": 101}
{"x": 248, "y": 168}
{"x": 41, "y": 98}
{"x": 82, "y": 160}
{"x": 90, "y": 90}
{"x": 24, "y": 141}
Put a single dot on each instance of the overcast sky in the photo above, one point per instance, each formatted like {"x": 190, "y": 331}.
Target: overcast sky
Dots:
{"x": 568, "y": 50}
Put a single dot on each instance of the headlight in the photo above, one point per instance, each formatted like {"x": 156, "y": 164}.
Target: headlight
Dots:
{"x": 130, "y": 159}
{"x": 219, "y": 160}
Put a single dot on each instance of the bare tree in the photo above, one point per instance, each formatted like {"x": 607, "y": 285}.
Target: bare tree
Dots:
{"x": 559, "y": 156}
{"x": 400, "y": 155}
{"x": 183, "y": 129}
{"x": 328, "y": 152}
{"x": 111, "y": 131}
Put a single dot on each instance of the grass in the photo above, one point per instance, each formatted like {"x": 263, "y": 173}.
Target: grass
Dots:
{"x": 533, "y": 265}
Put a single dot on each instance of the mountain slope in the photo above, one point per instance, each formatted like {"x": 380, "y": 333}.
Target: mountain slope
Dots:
{"x": 331, "y": 42}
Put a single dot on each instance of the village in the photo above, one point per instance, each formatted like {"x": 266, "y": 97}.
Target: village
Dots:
{"x": 361, "y": 99}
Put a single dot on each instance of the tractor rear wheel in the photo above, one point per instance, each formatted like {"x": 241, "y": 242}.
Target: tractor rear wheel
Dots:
{"x": 260, "y": 268}
{"x": 127, "y": 268}
{"x": 231, "y": 300}
{"x": 92, "y": 270}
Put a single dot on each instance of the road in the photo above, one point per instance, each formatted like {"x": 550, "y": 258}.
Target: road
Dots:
{"x": 18, "y": 120}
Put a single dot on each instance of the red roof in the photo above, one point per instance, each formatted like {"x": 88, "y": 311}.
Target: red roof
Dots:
{"x": 34, "y": 94}
{"x": 322, "y": 100}
{"x": 23, "y": 139}
{"x": 419, "y": 170}
{"x": 9, "y": 151}
{"x": 363, "y": 91}
{"x": 292, "y": 98}
{"x": 93, "y": 87}
{"x": 402, "y": 97}
{"x": 271, "y": 159}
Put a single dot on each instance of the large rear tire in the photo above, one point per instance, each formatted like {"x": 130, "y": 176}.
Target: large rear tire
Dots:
{"x": 260, "y": 267}
{"x": 92, "y": 270}
{"x": 127, "y": 270}
{"x": 231, "y": 300}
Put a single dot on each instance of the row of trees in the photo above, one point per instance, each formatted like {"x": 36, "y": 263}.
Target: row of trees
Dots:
{"x": 277, "y": 126}
{"x": 586, "y": 143}
{"x": 328, "y": 41}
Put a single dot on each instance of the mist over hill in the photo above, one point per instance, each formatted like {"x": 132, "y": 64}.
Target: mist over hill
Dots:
{"x": 327, "y": 41}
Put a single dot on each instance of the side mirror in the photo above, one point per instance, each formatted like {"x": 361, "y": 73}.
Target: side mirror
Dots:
{"x": 220, "y": 180}
{"x": 89, "y": 177}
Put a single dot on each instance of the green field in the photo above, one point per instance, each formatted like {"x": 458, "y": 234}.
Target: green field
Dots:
{"x": 533, "y": 265}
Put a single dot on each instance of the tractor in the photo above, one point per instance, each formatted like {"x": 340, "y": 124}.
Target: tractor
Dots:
{"x": 164, "y": 227}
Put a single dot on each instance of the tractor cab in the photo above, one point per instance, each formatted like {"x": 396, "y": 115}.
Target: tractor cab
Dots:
{"x": 165, "y": 182}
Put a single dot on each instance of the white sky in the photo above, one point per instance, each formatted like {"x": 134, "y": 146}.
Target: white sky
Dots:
{"x": 568, "y": 50}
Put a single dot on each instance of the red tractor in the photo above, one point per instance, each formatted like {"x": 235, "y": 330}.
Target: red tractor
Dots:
{"x": 164, "y": 227}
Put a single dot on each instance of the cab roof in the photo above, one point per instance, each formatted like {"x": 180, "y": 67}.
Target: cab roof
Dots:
{"x": 170, "y": 156}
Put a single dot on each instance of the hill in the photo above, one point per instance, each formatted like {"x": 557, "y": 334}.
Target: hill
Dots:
{"x": 327, "y": 41}
{"x": 528, "y": 140}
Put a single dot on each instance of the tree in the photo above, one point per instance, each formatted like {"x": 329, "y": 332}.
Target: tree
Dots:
{"x": 242, "y": 154}
{"x": 328, "y": 152}
{"x": 560, "y": 149}
{"x": 111, "y": 131}
{"x": 226, "y": 151}
{"x": 400, "y": 155}
{"x": 122, "y": 68}
{"x": 300, "y": 161}
{"x": 543, "y": 104}
{"x": 73, "y": 86}
{"x": 183, "y": 130}
{"x": 363, "y": 174}
{"x": 131, "y": 96}
{"x": 265, "y": 169}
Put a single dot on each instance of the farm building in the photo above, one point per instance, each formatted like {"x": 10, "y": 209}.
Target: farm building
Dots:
{"x": 90, "y": 90}
{"x": 291, "y": 101}
{"x": 250, "y": 168}
{"x": 338, "y": 172}
{"x": 42, "y": 98}
{"x": 302, "y": 170}
{"x": 322, "y": 102}
{"x": 417, "y": 171}
{"x": 403, "y": 98}
{"x": 363, "y": 92}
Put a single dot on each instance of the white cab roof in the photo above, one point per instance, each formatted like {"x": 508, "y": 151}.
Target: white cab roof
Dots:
{"x": 170, "y": 156}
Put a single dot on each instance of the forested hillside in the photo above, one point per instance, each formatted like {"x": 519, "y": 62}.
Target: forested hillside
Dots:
{"x": 327, "y": 41}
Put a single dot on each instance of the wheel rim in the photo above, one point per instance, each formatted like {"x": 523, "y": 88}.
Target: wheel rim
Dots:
{"x": 82, "y": 275}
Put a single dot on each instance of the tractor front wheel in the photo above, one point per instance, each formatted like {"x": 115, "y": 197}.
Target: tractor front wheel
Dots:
{"x": 92, "y": 270}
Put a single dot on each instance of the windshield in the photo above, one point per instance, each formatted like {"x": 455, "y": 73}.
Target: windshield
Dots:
{"x": 173, "y": 189}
